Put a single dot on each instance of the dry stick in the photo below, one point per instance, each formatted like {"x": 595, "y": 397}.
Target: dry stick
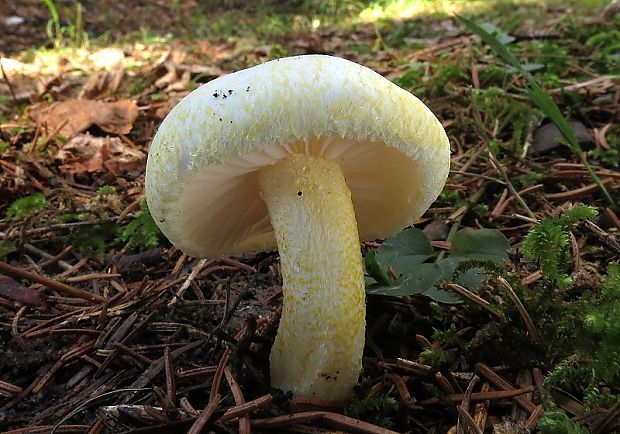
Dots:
{"x": 141, "y": 358}
{"x": 169, "y": 368}
{"x": 463, "y": 408}
{"x": 333, "y": 419}
{"x": 481, "y": 411}
{"x": 10, "y": 389}
{"x": 403, "y": 391}
{"x": 187, "y": 407}
{"x": 178, "y": 296}
{"x": 496, "y": 162}
{"x": 56, "y": 259}
{"x": 601, "y": 235}
{"x": 416, "y": 366}
{"x": 238, "y": 264}
{"x": 529, "y": 324}
{"x": 286, "y": 420}
{"x": 604, "y": 423}
{"x": 204, "y": 416}
{"x": 444, "y": 384}
{"x": 578, "y": 192}
{"x": 50, "y": 283}
{"x": 45, "y": 429}
{"x": 248, "y": 407}
{"x": 42, "y": 253}
{"x": 58, "y": 226}
{"x": 504, "y": 385}
{"x": 531, "y": 422}
{"x": 91, "y": 276}
{"x": 464, "y": 292}
{"x": 244, "y": 421}
{"x": 481, "y": 396}
{"x": 8, "y": 82}
{"x": 468, "y": 420}
{"x": 353, "y": 425}
{"x": 55, "y": 131}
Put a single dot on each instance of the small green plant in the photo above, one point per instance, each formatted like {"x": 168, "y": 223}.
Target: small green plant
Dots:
{"x": 74, "y": 32}
{"x": 436, "y": 355}
{"x": 94, "y": 240}
{"x": 105, "y": 190}
{"x": 610, "y": 157}
{"x": 603, "y": 323}
{"x": 548, "y": 243}
{"x": 142, "y": 232}
{"x": 595, "y": 358}
{"x": 555, "y": 421}
{"x": 399, "y": 266}
{"x": 513, "y": 117}
{"x": 538, "y": 96}
{"x": 373, "y": 409}
{"x": 26, "y": 205}
{"x": 53, "y": 30}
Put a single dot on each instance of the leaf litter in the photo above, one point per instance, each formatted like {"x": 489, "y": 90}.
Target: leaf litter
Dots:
{"x": 172, "y": 343}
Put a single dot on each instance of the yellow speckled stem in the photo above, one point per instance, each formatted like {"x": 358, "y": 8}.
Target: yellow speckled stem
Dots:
{"x": 318, "y": 348}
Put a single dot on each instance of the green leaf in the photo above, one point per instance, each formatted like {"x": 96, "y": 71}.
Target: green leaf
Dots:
{"x": 410, "y": 247}
{"x": 499, "y": 34}
{"x": 474, "y": 244}
{"x": 489, "y": 244}
{"x": 472, "y": 278}
{"x": 420, "y": 281}
{"x": 407, "y": 251}
{"x": 490, "y": 40}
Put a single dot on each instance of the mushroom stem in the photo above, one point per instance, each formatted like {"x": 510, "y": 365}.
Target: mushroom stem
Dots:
{"x": 318, "y": 348}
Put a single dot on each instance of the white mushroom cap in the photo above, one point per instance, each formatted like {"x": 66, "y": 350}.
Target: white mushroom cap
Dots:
{"x": 201, "y": 177}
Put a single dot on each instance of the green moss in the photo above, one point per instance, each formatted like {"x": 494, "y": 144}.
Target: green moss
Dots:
{"x": 548, "y": 243}
{"x": 557, "y": 422}
{"x": 106, "y": 189}
{"x": 513, "y": 117}
{"x": 374, "y": 409}
{"x": 26, "y": 205}
{"x": 94, "y": 241}
{"x": 142, "y": 232}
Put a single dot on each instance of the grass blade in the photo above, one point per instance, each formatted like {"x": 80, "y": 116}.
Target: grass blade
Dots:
{"x": 539, "y": 97}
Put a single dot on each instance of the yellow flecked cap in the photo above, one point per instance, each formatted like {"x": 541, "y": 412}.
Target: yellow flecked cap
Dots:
{"x": 201, "y": 178}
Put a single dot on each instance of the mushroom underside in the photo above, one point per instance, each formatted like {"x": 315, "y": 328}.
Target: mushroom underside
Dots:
{"x": 221, "y": 208}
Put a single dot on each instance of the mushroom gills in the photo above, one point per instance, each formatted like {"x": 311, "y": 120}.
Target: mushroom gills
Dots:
{"x": 318, "y": 348}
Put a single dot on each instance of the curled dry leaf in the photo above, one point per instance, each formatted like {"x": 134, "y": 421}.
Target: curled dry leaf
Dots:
{"x": 85, "y": 153}
{"x": 17, "y": 292}
{"x": 103, "y": 84}
{"x": 74, "y": 116}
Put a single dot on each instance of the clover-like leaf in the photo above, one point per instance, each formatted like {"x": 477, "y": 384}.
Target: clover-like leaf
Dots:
{"x": 489, "y": 244}
{"x": 422, "y": 282}
{"x": 408, "y": 248}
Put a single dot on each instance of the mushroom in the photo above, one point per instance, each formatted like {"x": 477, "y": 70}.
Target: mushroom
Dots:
{"x": 310, "y": 154}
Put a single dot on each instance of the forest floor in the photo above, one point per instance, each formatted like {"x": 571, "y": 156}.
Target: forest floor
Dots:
{"x": 106, "y": 327}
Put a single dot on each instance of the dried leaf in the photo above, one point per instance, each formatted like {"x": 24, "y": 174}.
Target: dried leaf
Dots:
{"x": 102, "y": 84}
{"x": 85, "y": 153}
{"x": 74, "y": 116}
{"x": 14, "y": 291}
